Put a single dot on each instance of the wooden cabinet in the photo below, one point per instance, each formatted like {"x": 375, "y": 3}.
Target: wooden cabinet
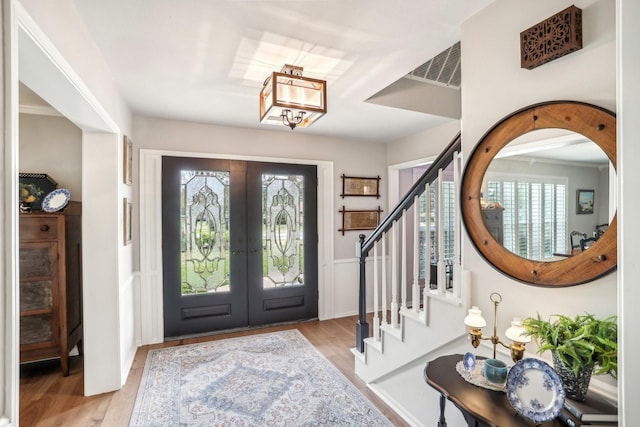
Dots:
{"x": 50, "y": 285}
{"x": 493, "y": 220}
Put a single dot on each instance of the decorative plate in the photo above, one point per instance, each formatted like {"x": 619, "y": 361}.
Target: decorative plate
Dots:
{"x": 535, "y": 390}
{"x": 56, "y": 200}
{"x": 469, "y": 361}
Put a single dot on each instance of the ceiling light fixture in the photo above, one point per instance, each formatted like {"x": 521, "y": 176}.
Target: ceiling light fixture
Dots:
{"x": 293, "y": 100}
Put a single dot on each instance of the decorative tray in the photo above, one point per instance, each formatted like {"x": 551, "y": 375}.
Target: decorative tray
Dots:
{"x": 476, "y": 376}
{"x": 34, "y": 187}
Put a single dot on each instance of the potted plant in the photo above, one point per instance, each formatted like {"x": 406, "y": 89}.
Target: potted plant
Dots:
{"x": 580, "y": 346}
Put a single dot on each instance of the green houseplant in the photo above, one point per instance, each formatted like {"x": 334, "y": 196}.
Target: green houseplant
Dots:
{"x": 581, "y": 346}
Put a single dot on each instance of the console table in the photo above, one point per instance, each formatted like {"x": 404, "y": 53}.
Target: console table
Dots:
{"x": 479, "y": 406}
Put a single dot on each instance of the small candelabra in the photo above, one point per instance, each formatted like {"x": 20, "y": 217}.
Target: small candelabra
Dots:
{"x": 516, "y": 333}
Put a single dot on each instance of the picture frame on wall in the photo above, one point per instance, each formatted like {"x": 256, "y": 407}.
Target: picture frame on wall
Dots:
{"x": 127, "y": 162}
{"x": 584, "y": 201}
{"x": 128, "y": 219}
{"x": 359, "y": 219}
{"x": 360, "y": 186}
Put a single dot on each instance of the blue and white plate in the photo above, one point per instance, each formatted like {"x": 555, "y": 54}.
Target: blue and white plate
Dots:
{"x": 56, "y": 200}
{"x": 535, "y": 390}
{"x": 469, "y": 361}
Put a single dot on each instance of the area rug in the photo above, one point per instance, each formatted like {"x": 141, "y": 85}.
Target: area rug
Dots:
{"x": 271, "y": 379}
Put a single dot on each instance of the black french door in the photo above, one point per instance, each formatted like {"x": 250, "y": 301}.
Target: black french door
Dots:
{"x": 240, "y": 244}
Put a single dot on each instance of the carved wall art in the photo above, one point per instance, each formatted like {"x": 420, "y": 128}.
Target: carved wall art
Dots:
{"x": 552, "y": 38}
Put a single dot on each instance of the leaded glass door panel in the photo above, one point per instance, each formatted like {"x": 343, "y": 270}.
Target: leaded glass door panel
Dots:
{"x": 283, "y": 242}
{"x": 204, "y": 239}
{"x": 239, "y": 244}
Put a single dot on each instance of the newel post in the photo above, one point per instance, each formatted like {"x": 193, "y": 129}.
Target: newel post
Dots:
{"x": 362, "y": 327}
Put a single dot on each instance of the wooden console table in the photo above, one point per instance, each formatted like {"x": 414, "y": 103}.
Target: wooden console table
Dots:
{"x": 479, "y": 406}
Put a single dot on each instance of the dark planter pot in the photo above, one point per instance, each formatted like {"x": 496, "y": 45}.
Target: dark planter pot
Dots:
{"x": 574, "y": 387}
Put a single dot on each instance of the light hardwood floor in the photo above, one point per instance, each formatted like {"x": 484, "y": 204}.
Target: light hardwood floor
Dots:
{"x": 49, "y": 399}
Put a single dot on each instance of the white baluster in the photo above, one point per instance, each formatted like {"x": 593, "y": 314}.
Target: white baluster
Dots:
{"x": 415, "y": 290}
{"x": 442, "y": 275}
{"x": 403, "y": 281}
{"x": 457, "y": 262}
{"x": 394, "y": 276}
{"x": 384, "y": 279}
{"x": 427, "y": 248}
{"x": 376, "y": 319}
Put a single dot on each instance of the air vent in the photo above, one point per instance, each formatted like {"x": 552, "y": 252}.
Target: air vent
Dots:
{"x": 443, "y": 69}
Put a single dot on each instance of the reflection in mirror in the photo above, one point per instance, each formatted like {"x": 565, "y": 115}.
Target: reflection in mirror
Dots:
{"x": 593, "y": 122}
{"x": 530, "y": 194}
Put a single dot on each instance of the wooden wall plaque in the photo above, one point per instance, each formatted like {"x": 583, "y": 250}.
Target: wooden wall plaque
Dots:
{"x": 359, "y": 219}
{"x": 360, "y": 186}
{"x": 552, "y": 38}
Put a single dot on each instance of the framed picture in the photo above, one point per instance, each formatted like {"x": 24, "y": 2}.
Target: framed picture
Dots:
{"x": 359, "y": 219}
{"x": 360, "y": 186}
{"x": 127, "y": 161}
{"x": 584, "y": 201}
{"x": 128, "y": 218}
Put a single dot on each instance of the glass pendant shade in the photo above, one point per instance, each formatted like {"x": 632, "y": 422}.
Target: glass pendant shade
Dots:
{"x": 516, "y": 332}
{"x": 288, "y": 94}
{"x": 474, "y": 319}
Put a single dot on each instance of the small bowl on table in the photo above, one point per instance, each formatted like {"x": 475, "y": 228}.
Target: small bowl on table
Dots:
{"x": 495, "y": 371}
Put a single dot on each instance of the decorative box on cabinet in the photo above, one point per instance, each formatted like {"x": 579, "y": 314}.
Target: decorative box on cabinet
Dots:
{"x": 50, "y": 285}
{"x": 494, "y": 222}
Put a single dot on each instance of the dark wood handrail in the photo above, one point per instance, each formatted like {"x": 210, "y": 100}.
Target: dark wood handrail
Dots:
{"x": 429, "y": 176}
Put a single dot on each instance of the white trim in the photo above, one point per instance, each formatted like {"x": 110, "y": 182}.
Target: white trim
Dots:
{"x": 94, "y": 117}
{"x": 628, "y": 126}
{"x": 39, "y": 110}
{"x": 151, "y": 316}
{"x": 9, "y": 373}
{"x": 129, "y": 349}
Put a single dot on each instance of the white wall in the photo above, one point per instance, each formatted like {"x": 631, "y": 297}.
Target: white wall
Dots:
{"x": 52, "y": 145}
{"x": 426, "y": 144}
{"x": 495, "y": 85}
{"x": 338, "y": 267}
{"x": 352, "y": 158}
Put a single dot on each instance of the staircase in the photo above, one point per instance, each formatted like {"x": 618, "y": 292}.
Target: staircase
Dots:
{"x": 420, "y": 292}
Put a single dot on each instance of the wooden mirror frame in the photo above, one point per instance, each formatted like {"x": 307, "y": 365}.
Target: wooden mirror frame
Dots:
{"x": 597, "y": 124}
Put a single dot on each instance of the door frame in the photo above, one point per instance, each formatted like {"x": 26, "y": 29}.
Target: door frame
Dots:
{"x": 151, "y": 306}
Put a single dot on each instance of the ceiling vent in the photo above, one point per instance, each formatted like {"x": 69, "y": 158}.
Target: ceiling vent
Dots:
{"x": 443, "y": 69}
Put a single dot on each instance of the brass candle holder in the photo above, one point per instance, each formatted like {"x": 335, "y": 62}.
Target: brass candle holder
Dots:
{"x": 516, "y": 333}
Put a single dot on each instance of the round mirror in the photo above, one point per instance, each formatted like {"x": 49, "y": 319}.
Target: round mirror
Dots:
{"x": 545, "y": 196}
{"x": 535, "y": 194}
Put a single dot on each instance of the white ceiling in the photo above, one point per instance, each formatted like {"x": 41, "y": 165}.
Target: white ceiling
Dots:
{"x": 206, "y": 60}
{"x": 558, "y": 146}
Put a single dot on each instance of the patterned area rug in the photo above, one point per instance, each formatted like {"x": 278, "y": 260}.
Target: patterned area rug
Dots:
{"x": 272, "y": 379}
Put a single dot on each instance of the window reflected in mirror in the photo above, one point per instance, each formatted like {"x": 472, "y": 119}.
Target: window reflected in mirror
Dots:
{"x": 531, "y": 194}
